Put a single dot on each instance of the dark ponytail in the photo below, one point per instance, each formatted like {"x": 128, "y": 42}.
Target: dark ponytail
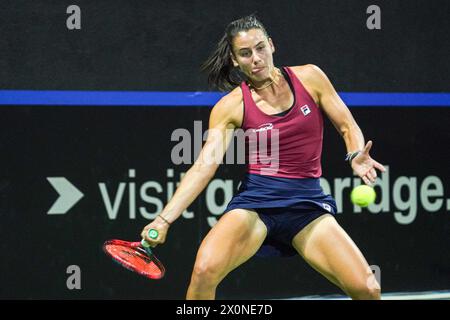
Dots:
{"x": 219, "y": 66}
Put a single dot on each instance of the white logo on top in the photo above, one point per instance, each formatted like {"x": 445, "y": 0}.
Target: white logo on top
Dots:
{"x": 305, "y": 109}
{"x": 264, "y": 127}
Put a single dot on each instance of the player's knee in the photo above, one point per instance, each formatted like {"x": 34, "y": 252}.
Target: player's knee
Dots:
{"x": 366, "y": 290}
{"x": 373, "y": 293}
{"x": 376, "y": 293}
{"x": 374, "y": 288}
{"x": 206, "y": 273}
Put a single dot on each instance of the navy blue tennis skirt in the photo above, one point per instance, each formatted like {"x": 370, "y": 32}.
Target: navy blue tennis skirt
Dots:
{"x": 285, "y": 205}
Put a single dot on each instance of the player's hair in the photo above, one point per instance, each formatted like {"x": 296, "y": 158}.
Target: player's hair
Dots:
{"x": 219, "y": 66}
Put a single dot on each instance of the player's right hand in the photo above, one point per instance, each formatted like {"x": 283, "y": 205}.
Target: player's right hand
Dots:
{"x": 160, "y": 226}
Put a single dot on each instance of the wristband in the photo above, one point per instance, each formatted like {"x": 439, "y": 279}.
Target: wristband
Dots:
{"x": 351, "y": 155}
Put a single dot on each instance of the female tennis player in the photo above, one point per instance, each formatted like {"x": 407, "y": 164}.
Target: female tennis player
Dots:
{"x": 279, "y": 210}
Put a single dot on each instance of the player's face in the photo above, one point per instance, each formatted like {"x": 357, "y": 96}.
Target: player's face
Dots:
{"x": 252, "y": 53}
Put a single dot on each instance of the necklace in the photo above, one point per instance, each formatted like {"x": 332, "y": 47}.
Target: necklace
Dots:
{"x": 263, "y": 87}
{"x": 266, "y": 85}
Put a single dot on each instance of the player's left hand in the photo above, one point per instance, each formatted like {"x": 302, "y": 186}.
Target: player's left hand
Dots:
{"x": 365, "y": 166}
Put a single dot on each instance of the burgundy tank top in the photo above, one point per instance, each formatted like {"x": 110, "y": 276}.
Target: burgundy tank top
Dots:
{"x": 288, "y": 146}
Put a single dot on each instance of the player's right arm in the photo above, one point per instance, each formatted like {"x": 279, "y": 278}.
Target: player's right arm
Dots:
{"x": 225, "y": 116}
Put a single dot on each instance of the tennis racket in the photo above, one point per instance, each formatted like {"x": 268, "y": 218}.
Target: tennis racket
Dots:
{"x": 136, "y": 256}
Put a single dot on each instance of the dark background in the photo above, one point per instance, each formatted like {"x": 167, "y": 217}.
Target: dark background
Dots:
{"x": 159, "y": 46}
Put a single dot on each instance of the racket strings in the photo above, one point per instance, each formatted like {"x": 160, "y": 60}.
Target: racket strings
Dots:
{"x": 136, "y": 259}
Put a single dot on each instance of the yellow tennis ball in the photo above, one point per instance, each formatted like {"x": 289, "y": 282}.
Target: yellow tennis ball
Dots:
{"x": 363, "y": 195}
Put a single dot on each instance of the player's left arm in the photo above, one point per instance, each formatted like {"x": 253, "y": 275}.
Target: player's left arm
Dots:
{"x": 342, "y": 119}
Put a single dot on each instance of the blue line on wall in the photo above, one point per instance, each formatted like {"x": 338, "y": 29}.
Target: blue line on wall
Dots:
{"x": 185, "y": 99}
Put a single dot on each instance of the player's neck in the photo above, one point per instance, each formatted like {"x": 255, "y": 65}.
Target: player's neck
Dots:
{"x": 273, "y": 81}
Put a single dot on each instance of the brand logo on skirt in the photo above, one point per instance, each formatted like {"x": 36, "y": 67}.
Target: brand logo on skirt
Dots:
{"x": 326, "y": 206}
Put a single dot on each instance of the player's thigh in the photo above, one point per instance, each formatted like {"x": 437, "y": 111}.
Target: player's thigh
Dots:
{"x": 330, "y": 250}
{"x": 235, "y": 238}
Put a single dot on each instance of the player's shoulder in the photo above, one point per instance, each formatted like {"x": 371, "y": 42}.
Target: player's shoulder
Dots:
{"x": 230, "y": 107}
{"x": 231, "y": 100}
{"x": 312, "y": 77}
{"x": 309, "y": 71}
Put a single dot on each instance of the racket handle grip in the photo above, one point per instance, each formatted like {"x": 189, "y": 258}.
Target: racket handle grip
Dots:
{"x": 152, "y": 233}
{"x": 145, "y": 244}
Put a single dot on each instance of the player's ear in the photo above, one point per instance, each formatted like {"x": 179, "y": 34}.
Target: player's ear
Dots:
{"x": 233, "y": 59}
{"x": 272, "y": 47}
